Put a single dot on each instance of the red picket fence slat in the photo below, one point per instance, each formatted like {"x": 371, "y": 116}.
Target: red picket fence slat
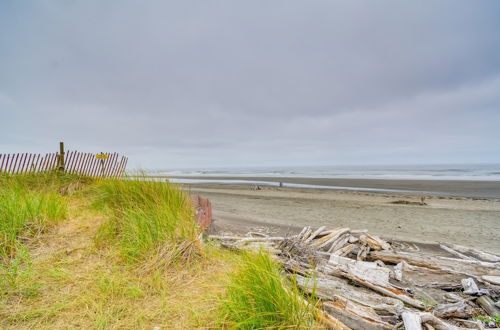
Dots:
{"x": 75, "y": 162}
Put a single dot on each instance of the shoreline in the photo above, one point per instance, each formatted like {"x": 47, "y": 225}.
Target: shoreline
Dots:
{"x": 444, "y": 219}
{"x": 455, "y": 188}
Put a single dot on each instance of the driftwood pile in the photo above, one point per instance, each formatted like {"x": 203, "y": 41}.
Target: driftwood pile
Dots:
{"x": 365, "y": 282}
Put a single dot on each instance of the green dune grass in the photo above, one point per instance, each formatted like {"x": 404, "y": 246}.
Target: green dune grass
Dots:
{"x": 77, "y": 252}
{"x": 152, "y": 222}
{"x": 258, "y": 297}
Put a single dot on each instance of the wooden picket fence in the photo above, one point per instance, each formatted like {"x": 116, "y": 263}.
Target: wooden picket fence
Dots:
{"x": 110, "y": 165}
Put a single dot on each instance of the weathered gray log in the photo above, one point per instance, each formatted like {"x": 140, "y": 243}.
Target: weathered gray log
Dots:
{"x": 373, "y": 244}
{"x": 470, "y": 287}
{"x": 260, "y": 239}
{"x": 398, "y": 271}
{"x": 370, "y": 271}
{"x": 339, "y": 243}
{"x": 426, "y": 277}
{"x": 487, "y": 304}
{"x": 478, "y": 254}
{"x": 363, "y": 252}
{"x": 437, "y": 323}
{"x": 255, "y": 233}
{"x": 325, "y": 232}
{"x": 427, "y": 326}
{"x": 458, "y": 309}
{"x": 456, "y": 253}
{"x": 346, "y": 250}
{"x": 461, "y": 266}
{"x": 324, "y": 255}
{"x": 306, "y": 234}
{"x": 302, "y": 232}
{"x": 355, "y": 316}
{"x": 329, "y": 321}
{"x": 476, "y": 324}
{"x": 411, "y": 321}
{"x": 485, "y": 264}
{"x": 329, "y": 287}
{"x": 383, "y": 244}
{"x": 247, "y": 239}
{"x": 328, "y": 239}
{"x": 491, "y": 279}
{"x": 387, "y": 291}
{"x": 452, "y": 297}
{"x": 359, "y": 231}
{"x": 391, "y": 319}
{"x": 353, "y": 239}
{"x": 314, "y": 234}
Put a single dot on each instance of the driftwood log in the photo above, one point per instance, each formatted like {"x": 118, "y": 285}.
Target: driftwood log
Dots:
{"x": 487, "y": 304}
{"x": 365, "y": 282}
{"x": 476, "y": 253}
{"x": 460, "y": 266}
{"x": 460, "y": 309}
{"x": 386, "y": 291}
{"x": 437, "y": 323}
{"x": 354, "y": 315}
{"x": 411, "y": 321}
{"x": 333, "y": 287}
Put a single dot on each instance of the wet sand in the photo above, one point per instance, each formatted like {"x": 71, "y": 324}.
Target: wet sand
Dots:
{"x": 463, "y": 188}
{"x": 467, "y": 221}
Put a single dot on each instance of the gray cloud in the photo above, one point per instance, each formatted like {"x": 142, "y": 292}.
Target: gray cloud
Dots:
{"x": 220, "y": 83}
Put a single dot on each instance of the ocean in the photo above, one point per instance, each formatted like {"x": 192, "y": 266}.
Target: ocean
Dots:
{"x": 478, "y": 172}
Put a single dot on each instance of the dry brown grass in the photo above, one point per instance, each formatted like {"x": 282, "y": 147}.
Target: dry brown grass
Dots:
{"x": 75, "y": 284}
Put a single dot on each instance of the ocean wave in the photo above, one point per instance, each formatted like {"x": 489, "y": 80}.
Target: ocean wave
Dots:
{"x": 408, "y": 172}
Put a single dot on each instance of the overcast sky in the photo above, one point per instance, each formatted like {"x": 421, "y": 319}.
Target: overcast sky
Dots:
{"x": 238, "y": 83}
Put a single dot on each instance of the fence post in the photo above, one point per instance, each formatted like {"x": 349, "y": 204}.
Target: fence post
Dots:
{"x": 102, "y": 165}
{"x": 61, "y": 156}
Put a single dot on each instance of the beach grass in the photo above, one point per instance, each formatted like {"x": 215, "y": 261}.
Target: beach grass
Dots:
{"x": 25, "y": 214}
{"x": 118, "y": 254}
{"x": 26, "y": 211}
{"x": 152, "y": 222}
{"x": 258, "y": 297}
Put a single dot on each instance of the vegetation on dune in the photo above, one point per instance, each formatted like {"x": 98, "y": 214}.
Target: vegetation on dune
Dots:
{"x": 258, "y": 297}
{"x": 30, "y": 204}
{"x": 52, "y": 181}
{"x": 24, "y": 214}
{"x": 79, "y": 274}
{"x": 27, "y": 209}
{"x": 153, "y": 222}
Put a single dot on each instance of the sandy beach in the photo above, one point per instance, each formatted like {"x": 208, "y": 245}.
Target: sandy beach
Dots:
{"x": 457, "y": 188}
{"x": 461, "y": 220}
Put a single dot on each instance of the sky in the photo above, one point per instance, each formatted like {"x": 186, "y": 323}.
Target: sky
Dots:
{"x": 199, "y": 84}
